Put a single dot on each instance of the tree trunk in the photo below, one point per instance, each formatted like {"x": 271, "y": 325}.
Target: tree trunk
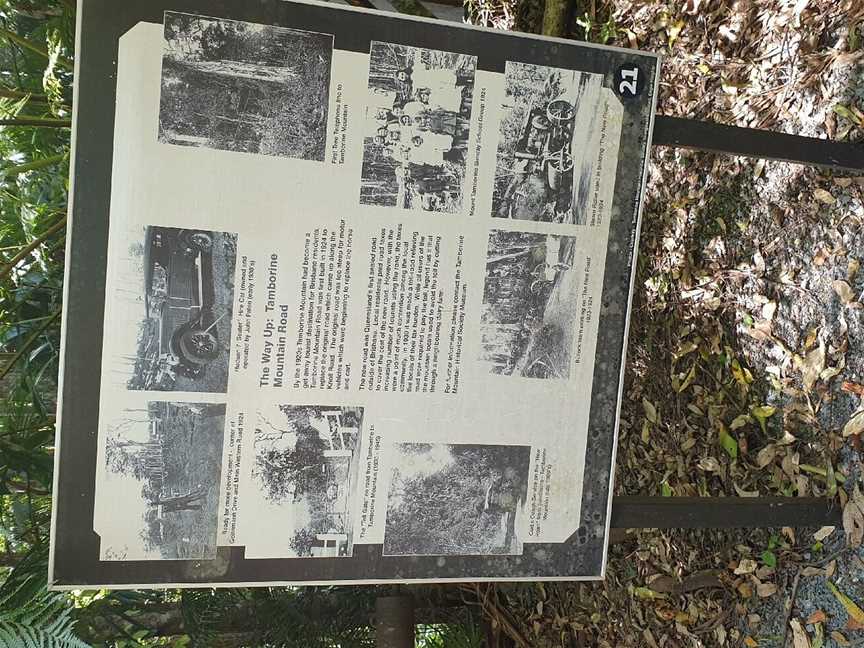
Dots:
{"x": 555, "y": 17}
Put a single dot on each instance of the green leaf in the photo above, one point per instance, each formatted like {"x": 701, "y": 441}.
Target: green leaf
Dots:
{"x": 852, "y": 608}
{"x": 763, "y": 413}
{"x": 729, "y": 443}
{"x": 844, "y": 112}
{"x": 650, "y": 410}
{"x": 740, "y": 421}
{"x": 768, "y": 558}
{"x": 688, "y": 379}
{"x": 665, "y": 489}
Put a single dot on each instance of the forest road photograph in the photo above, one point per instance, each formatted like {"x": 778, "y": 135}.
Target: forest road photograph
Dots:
{"x": 531, "y": 305}
{"x": 163, "y": 464}
{"x": 244, "y": 87}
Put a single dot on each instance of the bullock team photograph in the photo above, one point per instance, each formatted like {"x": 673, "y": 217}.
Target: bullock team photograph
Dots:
{"x": 544, "y": 169}
{"x": 160, "y": 486}
{"x": 306, "y": 468}
{"x": 245, "y": 87}
{"x": 456, "y": 499}
{"x": 173, "y": 292}
{"x": 417, "y": 126}
{"x": 530, "y": 305}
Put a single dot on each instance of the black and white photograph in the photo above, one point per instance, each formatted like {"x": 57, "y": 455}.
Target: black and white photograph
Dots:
{"x": 173, "y": 292}
{"x": 545, "y": 168}
{"x": 456, "y": 499}
{"x": 531, "y": 304}
{"x": 306, "y": 468}
{"x": 418, "y": 114}
{"x": 161, "y": 481}
{"x": 241, "y": 86}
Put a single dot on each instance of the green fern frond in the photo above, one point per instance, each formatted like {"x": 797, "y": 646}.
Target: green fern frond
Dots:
{"x": 30, "y": 616}
{"x": 17, "y": 635}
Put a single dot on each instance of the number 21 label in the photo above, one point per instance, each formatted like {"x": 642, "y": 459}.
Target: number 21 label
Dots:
{"x": 629, "y": 81}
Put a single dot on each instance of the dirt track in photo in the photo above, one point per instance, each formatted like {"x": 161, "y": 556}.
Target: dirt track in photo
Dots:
{"x": 306, "y": 469}
{"x": 416, "y": 128}
{"x": 174, "y": 291}
{"x": 240, "y": 86}
{"x": 545, "y": 166}
{"x": 163, "y": 466}
{"x": 455, "y": 499}
{"x": 531, "y": 304}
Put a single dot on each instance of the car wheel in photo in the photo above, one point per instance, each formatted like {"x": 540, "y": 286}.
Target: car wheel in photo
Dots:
{"x": 541, "y": 122}
{"x": 197, "y": 239}
{"x": 558, "y": 166}
{"x": 560, "y": 111}
{"x": 198, "y": 346}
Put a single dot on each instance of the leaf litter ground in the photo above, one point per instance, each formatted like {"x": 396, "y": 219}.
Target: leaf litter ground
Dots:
{"x": 745, "y": 366}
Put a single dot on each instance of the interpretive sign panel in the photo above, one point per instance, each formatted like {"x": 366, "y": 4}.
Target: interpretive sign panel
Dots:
{"x": 347, "y": 297}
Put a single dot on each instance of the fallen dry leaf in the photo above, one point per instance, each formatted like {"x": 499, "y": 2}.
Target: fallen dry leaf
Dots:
{"x": 853, "y": 520}
{"x": 823, "y": 196}
{"x": 800, "y": 639}
{"x": 843, "y": 290}
{"x": 838, "y": 636}
{"x": 811, "y": 365}
{"x": 764, "y": 590}
{"x": 807, "y": 572}
{"x": 766, "y": 455}
{"x": 852, "y": 268}
{"x": 746, "y": 566}
{"x": 854, "y": 425}
{"x": 852, "y": 388}
{"x": 817, "y": 617}
{"x": 823, "y": 533}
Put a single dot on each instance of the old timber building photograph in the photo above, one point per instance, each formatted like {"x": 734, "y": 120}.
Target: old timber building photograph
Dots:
{"x": 160, "y": 485}
{"x": 545, "y": 167}
{"x": 456, "y": 499}
{"x": 306, "y": 470}
{"x": 530, "y": 304}
{"x": 415, "y": 144}
{"x": 173, "y": 297}
{"x": 241, "y": 86}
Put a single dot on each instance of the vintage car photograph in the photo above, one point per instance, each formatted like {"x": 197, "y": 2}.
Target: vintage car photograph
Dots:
{"x": 548, "y": 117}
{"x": 174, "y": 294}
